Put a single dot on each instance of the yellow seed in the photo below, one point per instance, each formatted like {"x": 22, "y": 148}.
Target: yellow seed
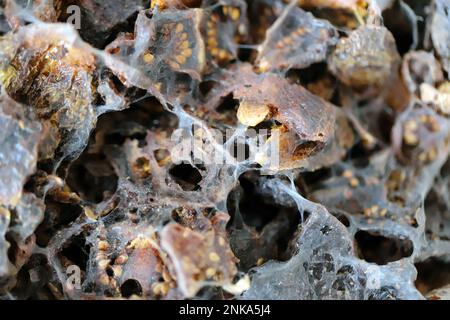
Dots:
{"x": 117, "y": 271}
{"x": 90, "y": 213}
{"x": 383, "y": 212}
{"x": 148, "y": 58}
{"x": 174, "y": 65}
{"x": 260, "y": 261}
{"x": 102, "y": 264}
{"x": 166, "y": 276}
{"x": 214, "y": 52}
{"x": 184, "y": 44}
{"x": 180, "y": 59}
{"x": 140, "y": 243}
{"x": 212, "y": 32}
{"x": 179, "y": 27}
{"x": 162, "y": 4}
{"x": 423, "y": 156}
{"x": 433, "y": 125}
{"x": 122, "y": 259}
{"x": 288, "y": 41}
{"x": 250, "y": 114}
{"x": 410, "y": 138}
{"x": 221, "y": 241}
{"x": 184, "y": 36}
{"x": 214, "y": 257}
{"x": 235, "y": 14}
{"x": 374, "y": 209}
{"x": 212, "y": 42}
{"x": 187, "y": 52}
{"x": 445, "y": 87}
{"x": 103, "y": 245}
{"x": 225, "y": 10}
{"x": 424, "y": 118}
{"x": 161, "y": 288}
{"x": 300, "y": 31}
{"x": 165, "y": 289}
{"x": 411, "y": 125}
{"x": 263, "y": 66}
{"x": 100, "y": 255}
{"x": 157, "y": 288}
{"x": 432, "y": 154}
{"x": 158, "y": 268}
{"x": 347, "y": 174}
{"x": 5, "y": 213}
{"x": 104, "y": 279}
{"x": 210, "y": 272}
{"x": 223, "y": 55}
{"x": 354, "y": 182}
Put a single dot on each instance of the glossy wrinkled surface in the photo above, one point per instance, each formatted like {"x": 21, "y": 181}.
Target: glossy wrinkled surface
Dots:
{"x": 119, "y": 177}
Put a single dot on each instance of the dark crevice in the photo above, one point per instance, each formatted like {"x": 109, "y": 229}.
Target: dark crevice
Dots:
{"x": 228, "y": 104}
{"x": 57, "y": 216}
{"x": 187, "y": 176}
{"x": 432, "y": 274}
{"x": 254, "y": 208}
{"x": 380, "y": 249}
{"x": 131, "y": 287}
{"x": 92, "y": 177}
{"x": 397, "y": 21}
{"x": 77, "y": 251}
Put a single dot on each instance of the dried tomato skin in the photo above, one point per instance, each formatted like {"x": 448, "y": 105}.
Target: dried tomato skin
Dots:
{"x": 224, "y": 149}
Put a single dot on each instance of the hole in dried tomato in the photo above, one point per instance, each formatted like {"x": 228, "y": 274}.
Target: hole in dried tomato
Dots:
{"x": 397, "y": 21}
{"x": 161, "y": 155}
{"x": 254, "y": 208}
{"x": 77, "y": 251}
{"x": 342, "y": 218}
{"x": 57, "y": 215}
{"x": 187, "y": 176}
{"x": 228, "y": 104}
{"x": 92, "y": 177}
{"x": 131, "y": 287}
{"x": 432, "y": 274}
{"x": 380, "y": 249}
{"x": 205, "y": 87}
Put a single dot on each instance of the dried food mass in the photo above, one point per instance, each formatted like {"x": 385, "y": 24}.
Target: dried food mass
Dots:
{"x": 224, "y": 149}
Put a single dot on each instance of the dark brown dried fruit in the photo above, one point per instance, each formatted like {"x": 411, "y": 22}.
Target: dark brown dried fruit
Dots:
{"x": 232, "y": 117}
{"x": 296, "y": 40}
{"x": 368, "y": 57}
{"x": 206, "y": 258}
